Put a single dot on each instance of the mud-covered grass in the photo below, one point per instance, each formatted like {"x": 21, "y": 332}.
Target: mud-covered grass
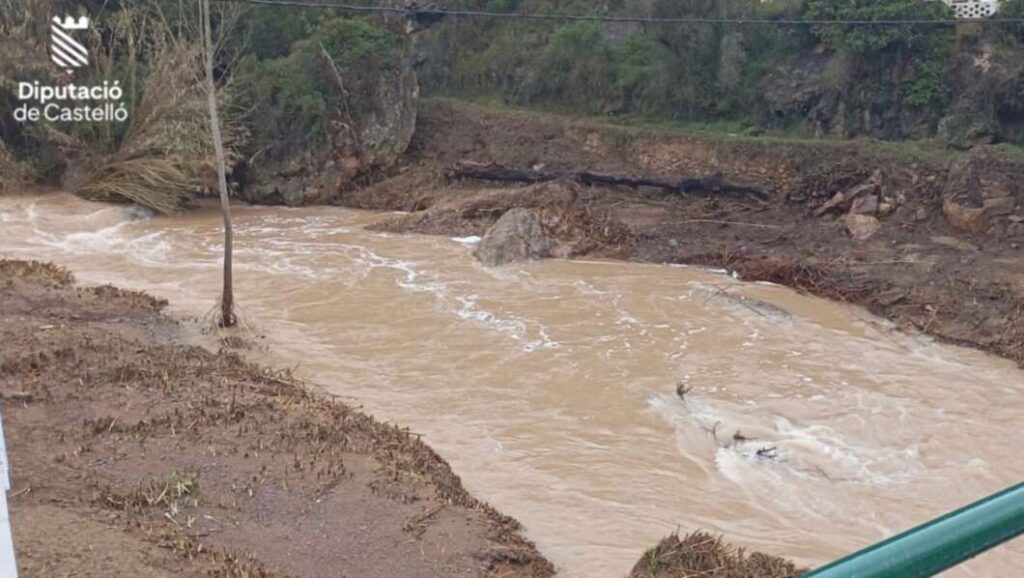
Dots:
{"x": 131, "y": 455}
{"x": 36, "y": 272}
{"x": 707, "y": 556}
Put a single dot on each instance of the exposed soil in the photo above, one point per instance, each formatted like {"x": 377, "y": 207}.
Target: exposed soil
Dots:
{"x": 915, "y": 268}
{"x": 133, "y": 456}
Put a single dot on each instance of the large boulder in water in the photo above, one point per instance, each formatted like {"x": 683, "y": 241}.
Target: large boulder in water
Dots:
{"x": 338, "y": 109}
{"x": 524, "y": 234}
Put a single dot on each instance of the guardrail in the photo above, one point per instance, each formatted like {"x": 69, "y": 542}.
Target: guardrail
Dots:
{"x": 8, "y": 566}
{"x": 937, "y": 545}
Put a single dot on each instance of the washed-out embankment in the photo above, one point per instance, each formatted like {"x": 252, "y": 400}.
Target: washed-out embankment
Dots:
{"x": 928, "y": 238}
{"x": 136, "y": 456}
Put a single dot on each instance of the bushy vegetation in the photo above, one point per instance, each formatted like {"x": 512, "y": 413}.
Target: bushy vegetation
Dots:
{"x": 900, "y": 64}
{"x": 284, "y": 77}
{"x": 305, "y": 72}
{"x": 893, "y": 81}
{"x": 674, "y": 72}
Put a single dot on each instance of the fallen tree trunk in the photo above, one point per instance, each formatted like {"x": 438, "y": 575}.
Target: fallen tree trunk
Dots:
{"x": 693, "y": 185}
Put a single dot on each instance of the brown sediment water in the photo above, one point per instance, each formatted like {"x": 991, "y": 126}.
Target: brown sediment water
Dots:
{"x": 809, "y": 428}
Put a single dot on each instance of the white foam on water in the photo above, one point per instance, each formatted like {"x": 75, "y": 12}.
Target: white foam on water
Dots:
{"x": 149, "y": 249}
{"x": 531, "y": 334}
{"x": 798, "y": 451}
{"x": 470, "y": 240}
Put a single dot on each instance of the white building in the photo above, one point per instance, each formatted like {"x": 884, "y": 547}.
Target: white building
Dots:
{"x": 969, "y": 9}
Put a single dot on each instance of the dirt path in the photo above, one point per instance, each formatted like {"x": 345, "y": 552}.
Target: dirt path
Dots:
{"x": 863, "y": 222}
{"x": 132, "y": 456}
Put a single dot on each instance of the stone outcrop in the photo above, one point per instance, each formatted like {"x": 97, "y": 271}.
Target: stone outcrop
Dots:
{"x": 525, "y": 234}
{"x": 861, "y": 227}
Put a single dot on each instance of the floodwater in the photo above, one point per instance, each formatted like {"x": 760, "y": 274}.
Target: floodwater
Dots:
{"x": 551, "y": 387}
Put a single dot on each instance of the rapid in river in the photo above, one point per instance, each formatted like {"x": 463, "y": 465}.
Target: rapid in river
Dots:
{"x": 807, "y": 429}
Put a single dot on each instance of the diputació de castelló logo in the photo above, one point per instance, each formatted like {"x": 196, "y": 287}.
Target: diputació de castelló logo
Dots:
{"x": 67, "y": 101}
{"x": 65, "y": 50}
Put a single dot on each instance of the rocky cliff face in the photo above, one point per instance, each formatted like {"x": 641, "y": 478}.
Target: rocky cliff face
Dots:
{"x": 981, "y": 104}
{"x": 365, "y": 123}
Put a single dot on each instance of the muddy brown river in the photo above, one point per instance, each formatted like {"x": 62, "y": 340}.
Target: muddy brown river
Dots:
{"x": 551, "y": 387}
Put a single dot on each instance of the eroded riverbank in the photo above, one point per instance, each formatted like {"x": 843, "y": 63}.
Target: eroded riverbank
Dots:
{"x": 926, "y": 238}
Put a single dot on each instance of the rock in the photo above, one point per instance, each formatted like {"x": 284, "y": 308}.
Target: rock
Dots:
{"x": 885, "y": 209}
{"x": 963, "y": 217}
{"x": 980, "y": 187}
{"x": 836, "y": 201}
{"x": 953, "y": 242}
{"x": 921, "y": 214}
{"x": 526, "y": 234}
{"x": 979, "y": 175}
{"x": 861, "y": 227}
{"x": 869, "y": 188}
{"x": 999, "y": 207}
{"x": 859, "y": 196}
{"x": 866, "y": 205}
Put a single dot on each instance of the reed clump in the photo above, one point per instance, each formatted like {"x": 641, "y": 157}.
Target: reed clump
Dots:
{"x": 164, "y": 158}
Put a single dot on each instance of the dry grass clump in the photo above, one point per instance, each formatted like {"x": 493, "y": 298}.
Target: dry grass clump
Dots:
{"x": 164, "y": 157}
{"x": 39, "y": 272}
{"x": 136, "y": 300}
{"x": 151, "y": 182}
{"x": 155, "y": 164}
{"x": 171, "y": 493}
{"x": 707, "y": 556}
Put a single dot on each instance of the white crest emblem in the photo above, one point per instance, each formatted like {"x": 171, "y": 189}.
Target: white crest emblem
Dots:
{"x": 65, "y": 51}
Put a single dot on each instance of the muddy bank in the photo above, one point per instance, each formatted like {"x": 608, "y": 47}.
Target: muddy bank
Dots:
{"x": 133, "y": 456}
{"x": 926, "y": 238}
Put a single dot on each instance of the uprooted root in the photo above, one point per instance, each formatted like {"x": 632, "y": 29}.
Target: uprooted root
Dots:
{"x": 243, "y": 335}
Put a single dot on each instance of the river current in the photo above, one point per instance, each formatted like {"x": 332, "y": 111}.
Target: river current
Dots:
{"x": 808, "y": 429}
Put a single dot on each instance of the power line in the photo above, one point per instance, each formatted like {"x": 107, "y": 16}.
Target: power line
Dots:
{"x": 440, "y": 12}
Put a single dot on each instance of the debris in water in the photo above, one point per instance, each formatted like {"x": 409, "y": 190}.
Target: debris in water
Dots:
{"x": 682, "y": 389}
{"x": 738, "y": 437}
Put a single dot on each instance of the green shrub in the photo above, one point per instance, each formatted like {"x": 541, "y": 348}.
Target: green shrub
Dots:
{"x": 896, "y": 63}
{"x": 294, "y": 96}
{"x": 576, "y": 67}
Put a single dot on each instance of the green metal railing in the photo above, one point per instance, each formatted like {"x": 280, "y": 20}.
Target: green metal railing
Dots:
{"x": 937, "y": 545}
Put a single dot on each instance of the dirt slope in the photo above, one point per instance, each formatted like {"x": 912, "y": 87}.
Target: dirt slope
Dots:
{"x": 131, "y": 456}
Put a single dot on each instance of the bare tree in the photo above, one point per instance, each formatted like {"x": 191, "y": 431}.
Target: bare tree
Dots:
{"x": 227, "y": 303}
